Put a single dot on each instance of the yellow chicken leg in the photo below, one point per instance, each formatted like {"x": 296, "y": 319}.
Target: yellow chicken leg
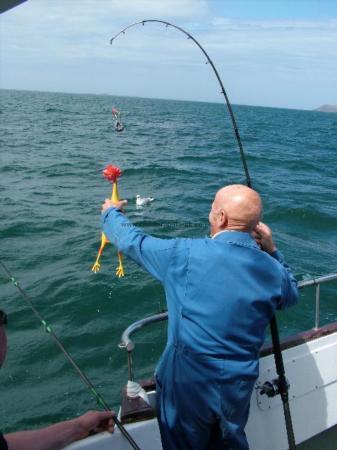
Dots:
{"x": 95, "y": 268}
{"x": 120, "y": 268}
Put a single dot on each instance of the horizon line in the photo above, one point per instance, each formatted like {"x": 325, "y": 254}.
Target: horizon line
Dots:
{"x": 156, "y": 98}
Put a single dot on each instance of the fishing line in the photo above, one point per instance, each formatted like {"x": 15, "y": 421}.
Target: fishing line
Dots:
{"x": 273, "y": 323}
{"x": 100, "y": 400}
{"x": 223, "y": 91}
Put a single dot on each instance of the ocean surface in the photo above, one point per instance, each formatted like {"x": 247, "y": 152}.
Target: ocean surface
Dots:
{"x": 53, "y": 150}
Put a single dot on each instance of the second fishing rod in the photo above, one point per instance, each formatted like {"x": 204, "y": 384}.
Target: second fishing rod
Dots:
{"x": 47, "y": 327}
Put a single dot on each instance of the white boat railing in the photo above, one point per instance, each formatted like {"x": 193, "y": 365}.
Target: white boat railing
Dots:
{"x": 127, "y": 344}
{"x": 317, "y": 282}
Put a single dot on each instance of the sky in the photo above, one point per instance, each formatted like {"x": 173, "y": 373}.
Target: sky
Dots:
{"x": 278, "y": 53}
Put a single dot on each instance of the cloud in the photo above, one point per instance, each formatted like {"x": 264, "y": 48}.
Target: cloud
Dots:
{"x": 154, "y": 9}
{"x": 56, "y": 28}
{"x": 93, "y": 12}
{"x": 280, "y": 42}
{"x": 227, "y": 24}
{"x": 58, "y": 45}
{"x": 276, "y": 62}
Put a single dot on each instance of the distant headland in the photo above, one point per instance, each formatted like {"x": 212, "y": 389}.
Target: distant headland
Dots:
{"x": 327, "y": 108}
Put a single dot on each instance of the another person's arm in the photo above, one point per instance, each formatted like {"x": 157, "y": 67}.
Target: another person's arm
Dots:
{"x": 150, "y": 252}
{"x": 57, "y": 436}
{"x": 263, "y": 236}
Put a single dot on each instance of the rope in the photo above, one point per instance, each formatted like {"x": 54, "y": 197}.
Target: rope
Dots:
{"x": 100, "y": 400}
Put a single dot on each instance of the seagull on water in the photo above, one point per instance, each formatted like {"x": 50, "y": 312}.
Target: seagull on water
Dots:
{"x": 141, "y": 201}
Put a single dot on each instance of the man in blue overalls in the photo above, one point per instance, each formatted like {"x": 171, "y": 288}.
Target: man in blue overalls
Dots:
{"x": 221, "y": 293}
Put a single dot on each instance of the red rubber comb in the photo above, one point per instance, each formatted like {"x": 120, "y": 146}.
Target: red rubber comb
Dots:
{"x": 111, "y": 173}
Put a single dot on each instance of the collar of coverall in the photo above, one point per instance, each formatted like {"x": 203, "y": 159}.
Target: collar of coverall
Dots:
{"x": 236, "y": 237}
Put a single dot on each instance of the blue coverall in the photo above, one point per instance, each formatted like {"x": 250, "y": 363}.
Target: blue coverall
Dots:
{"x": 221, "y": 294}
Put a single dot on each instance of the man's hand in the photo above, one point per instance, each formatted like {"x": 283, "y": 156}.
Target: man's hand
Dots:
{"x": 118, "y": 205}
{"x": 263, "y": 237}
{"x": 95, "y": 422}
{"x": 62, "y": 434}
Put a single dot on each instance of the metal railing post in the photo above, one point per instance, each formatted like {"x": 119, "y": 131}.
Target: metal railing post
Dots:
{"x": 317, "y": 306}
{"x": 130, "y": 368}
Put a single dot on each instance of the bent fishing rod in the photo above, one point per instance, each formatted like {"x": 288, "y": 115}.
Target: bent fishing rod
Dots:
{"x": 223, "y": 91}
{"x": 282, "y": 382}
{"x": 100, "y": 400}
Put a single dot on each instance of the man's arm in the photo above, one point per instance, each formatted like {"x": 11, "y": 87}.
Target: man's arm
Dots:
{"x": 263, "y": 236}
{"x": 61, "y": 434}
{"x": 289, "y": 283}
{"x": 150, "y": 252}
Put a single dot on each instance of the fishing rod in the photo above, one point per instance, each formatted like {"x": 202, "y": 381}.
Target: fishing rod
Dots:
{"x": 100, "y": 400}
{"x": 282, "y": 382}
{"x": 223, "y": 91}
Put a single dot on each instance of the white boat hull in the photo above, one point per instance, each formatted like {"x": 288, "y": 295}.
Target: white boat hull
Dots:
{"x": 311, "y": 369}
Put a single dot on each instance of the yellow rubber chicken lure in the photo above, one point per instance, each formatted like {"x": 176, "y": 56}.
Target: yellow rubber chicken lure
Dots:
{"x": 111, "y": 173}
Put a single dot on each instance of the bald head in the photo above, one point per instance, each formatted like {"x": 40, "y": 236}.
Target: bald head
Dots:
{"x": 235, "y": 207}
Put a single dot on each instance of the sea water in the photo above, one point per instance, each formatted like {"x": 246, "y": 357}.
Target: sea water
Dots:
{"x": 53, "y": 150}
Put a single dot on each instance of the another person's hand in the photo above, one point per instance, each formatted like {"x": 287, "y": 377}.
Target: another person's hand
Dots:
{"x": 118, "y": 205}
{"x": 95, "y": 422}
{"x": 62, "y": 434}
{"x": 263, "y": 237}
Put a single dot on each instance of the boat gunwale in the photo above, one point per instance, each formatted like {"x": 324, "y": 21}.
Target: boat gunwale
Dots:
{"x": 134, "y": 410}
{"x": 301, "y": 338}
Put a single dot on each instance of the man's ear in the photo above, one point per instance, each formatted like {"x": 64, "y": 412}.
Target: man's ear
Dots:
{"x": 223, "y": 219}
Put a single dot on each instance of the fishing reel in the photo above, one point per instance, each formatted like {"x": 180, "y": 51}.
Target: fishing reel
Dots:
{"x": 271, "y": 388}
